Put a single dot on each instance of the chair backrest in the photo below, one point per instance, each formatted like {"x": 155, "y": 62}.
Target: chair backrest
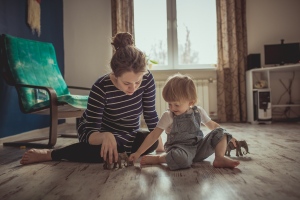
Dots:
{"x": 31, "y": 63}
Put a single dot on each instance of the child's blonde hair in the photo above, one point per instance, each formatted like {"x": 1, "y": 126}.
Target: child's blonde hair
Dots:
{"x": 180, "y": 88}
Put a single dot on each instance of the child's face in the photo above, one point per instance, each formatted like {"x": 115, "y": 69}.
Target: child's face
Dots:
{"x": 179, "y": 107}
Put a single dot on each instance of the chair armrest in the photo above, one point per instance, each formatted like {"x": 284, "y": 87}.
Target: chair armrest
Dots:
{"x": 51, "y": 92}
{"x": 79, "y": 88}
{"x": 48, "y": 89}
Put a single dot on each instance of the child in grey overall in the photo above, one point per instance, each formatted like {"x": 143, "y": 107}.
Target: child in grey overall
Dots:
{"x": 185, "y": 141}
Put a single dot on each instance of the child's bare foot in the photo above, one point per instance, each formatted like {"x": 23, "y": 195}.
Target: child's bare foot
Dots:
{"x": 223, "y": 162}
{"x": 36, "y": 155}
{"x": 150, "y": 160}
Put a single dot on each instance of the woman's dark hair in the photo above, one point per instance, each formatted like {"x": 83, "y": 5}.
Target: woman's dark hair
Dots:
{"x": 126, "y": 58}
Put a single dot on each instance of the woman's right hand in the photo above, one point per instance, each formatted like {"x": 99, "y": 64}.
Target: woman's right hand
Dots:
{"x": 109, "y": 147}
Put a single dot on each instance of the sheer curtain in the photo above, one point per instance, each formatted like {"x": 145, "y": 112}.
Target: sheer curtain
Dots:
{"x": 122, "y": 16}
{"x": 232, "y": 54}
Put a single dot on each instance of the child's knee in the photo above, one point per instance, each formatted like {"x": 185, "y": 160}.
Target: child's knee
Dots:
{"x": 178, "y": 159}
{"x": 217, "y": 136}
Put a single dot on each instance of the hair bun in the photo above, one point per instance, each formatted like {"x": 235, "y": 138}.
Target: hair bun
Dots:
{"x": 122, "y": 40}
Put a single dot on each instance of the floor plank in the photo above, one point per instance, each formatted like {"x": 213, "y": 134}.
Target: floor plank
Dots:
{"x": 270, "y": 171}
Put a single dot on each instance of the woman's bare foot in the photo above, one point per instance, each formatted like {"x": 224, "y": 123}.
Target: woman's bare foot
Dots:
{"x": 150, "y": 160}
{"x": 35, "y": 156}
{"x": 225, "y": 162}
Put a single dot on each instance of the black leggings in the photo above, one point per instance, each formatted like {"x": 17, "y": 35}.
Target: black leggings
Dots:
{"x": 84, "y": 152}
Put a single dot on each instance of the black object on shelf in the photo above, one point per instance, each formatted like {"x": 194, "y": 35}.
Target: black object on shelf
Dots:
{"x": 281, "y": 54}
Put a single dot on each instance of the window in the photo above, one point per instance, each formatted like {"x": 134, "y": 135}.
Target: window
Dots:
{"x": 179, "y": 34}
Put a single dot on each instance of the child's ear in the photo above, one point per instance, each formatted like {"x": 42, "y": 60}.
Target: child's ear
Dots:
{"x": 192, "y": 103}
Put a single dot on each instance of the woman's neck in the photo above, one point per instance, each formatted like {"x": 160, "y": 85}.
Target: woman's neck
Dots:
{"x": 114, "y": 80}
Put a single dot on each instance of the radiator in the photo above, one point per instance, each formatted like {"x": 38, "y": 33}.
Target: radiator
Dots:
{"x": 207, "y": 96}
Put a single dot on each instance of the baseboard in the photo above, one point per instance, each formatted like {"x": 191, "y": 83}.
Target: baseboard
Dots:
{"x": 25, "y": 135}
{"x": 43, "y": 132}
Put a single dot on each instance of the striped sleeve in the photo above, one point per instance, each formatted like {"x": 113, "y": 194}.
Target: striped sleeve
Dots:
{"x": 94, "y": 111}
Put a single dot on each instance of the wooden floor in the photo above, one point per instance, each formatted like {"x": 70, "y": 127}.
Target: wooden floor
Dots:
{"x": 270, "y": 171}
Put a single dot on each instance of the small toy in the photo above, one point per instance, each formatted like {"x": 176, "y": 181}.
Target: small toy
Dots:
{"x": 121, "y": 163}
{"x": 239, "y": 145}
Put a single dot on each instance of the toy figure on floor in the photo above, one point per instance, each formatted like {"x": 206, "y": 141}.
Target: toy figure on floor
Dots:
{"x": 239, "y": 145}
{"x": 121, "y": 163}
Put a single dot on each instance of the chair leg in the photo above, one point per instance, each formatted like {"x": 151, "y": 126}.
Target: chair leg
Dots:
{"x": 52, "y": 138}
{"x": 28, "y": 143}
{"x": 53, "y": 126}
{"x": 52, "y": 134}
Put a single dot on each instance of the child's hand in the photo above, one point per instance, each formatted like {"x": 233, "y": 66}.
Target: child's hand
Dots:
{"x": 233, "y": 140}
{"x": 133, "y": 157}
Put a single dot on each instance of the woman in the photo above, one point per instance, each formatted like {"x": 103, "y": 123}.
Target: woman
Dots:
{"x": 111, "y": 121}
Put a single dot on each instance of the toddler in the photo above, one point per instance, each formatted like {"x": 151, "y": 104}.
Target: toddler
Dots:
{"x": 185, "y": 141}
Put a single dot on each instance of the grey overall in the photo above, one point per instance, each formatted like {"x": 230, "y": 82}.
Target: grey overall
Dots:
{"x": 186, "y": 144}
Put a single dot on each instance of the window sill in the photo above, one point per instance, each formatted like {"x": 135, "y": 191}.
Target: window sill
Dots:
{"x": 203, "y": 73}
{"x": 184, "y": 70}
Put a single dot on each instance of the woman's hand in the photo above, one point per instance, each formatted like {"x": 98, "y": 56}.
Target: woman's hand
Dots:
{"x": 109, "y": 147}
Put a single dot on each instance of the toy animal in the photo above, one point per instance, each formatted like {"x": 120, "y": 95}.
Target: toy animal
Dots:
{"x": 121, "y": 163}
{"x": 239, "y": 145}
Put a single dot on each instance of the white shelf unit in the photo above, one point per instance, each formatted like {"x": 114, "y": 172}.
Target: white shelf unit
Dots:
{"x": 266, "y": 73}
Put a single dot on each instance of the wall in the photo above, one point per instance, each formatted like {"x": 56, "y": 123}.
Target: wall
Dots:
{"x": 269, "y": 21}
{"x": 87, "y": 37}
{"x": 13, "y": 15}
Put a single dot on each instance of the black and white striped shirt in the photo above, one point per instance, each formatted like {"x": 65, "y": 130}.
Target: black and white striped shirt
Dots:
{"x": 111, "y": 110}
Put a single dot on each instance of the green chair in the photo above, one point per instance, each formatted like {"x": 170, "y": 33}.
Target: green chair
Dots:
{"x": 31, "y": 67}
